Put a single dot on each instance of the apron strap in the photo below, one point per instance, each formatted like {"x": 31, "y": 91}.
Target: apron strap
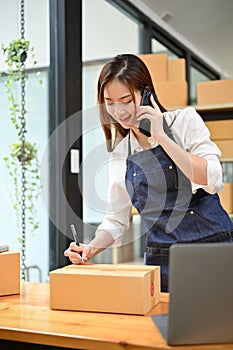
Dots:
{"x": 167, "y": 130}
{"x": 129, "y": 145}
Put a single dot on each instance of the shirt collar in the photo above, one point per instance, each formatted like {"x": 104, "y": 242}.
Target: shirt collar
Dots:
{"x": 135, "y": 145}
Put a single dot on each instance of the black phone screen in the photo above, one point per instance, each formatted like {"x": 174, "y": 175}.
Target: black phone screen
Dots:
{"x": 144, "y": 124}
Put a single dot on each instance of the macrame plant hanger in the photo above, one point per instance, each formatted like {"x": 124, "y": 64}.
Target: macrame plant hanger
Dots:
{"x": 23, "y": 153}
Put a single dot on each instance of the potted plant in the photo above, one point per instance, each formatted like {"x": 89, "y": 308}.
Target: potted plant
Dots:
{"x": 32, "y": 185}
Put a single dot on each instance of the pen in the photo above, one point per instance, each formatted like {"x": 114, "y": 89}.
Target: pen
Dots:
{"x": 75, "y": 235}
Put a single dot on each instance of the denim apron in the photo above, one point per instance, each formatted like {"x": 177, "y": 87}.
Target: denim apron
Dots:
{"x": 162, "y": 194}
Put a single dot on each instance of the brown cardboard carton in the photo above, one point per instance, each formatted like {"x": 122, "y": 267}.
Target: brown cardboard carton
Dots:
{"x": 10, "y": 273}
{"x": 172, "y": 93}
{"x": 220, "y": 129}
{"x": 215, "y": 91}
{"x": 128, "y": 289}
{"x": 157, "y": 65}
{"x": 226, "y": 197}
{"x": 134, "y": 211}
{"x": 176, "y": 70}
{"x": 226, "y": 147}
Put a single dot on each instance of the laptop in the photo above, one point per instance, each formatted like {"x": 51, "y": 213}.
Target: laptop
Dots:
{"x": 201, "y": 295}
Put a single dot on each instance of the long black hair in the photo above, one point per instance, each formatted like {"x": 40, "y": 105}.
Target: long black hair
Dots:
{"x": 130, "y": 70}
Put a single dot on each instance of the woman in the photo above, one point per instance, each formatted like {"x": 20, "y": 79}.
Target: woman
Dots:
{"x": 172, "y": 176}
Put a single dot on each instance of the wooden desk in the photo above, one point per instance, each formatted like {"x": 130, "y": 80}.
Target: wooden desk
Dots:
{"x": 27, "y": 318}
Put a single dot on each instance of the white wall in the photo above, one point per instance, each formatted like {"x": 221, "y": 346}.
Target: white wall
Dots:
{"x": 107, "y": 31}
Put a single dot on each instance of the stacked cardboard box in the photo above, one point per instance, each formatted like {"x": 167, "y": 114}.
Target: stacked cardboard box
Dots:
{"x": 215, "y": 92}
{"x": 221, "y": 132}
{"x": 10, "y": 273}
{"x": 226, "y": 197}
{"x": 218, "y": 92}
{"x": 169, "y": 79}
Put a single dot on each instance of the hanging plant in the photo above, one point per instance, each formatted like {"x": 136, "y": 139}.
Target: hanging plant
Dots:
{"x": 32, "y": 186}
{"x": 16, "y": 54}
{"x": 22, "y": 162}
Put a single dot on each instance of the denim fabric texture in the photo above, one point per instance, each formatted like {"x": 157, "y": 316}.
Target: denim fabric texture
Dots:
{"x": 170, "y": 212}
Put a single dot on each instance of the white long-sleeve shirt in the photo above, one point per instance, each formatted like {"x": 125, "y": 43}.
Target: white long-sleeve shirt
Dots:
{"x": 191, "y": 133}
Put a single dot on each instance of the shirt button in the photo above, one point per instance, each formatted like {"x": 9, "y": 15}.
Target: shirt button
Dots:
{"x": 134, "y": 174}
{"x": 191, "y": 212}
{"x": 170, "y": 166}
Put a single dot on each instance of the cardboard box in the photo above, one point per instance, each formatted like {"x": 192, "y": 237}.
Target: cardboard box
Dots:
{"x": 176, "y": 69}
{"x": 134, "y": 211}
{"x": 10, "y": 273}
{"x": 226, "y": 197}
{"x": 220, "y": 129}
{"x": 226, "y": 147}
{"x": 172, "y": 93}
{"x": 215, "y": 91}
{"x": 157, "y": 65}
{"x": 127, "y": 289}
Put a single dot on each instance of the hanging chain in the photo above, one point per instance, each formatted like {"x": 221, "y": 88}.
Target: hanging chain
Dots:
{"x": 23, "y": 165}
{"x": 22, "y": 19}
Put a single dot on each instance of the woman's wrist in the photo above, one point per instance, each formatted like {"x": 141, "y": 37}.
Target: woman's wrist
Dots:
{"x": 102, "y": 240}
{"x": 159, "y": 138}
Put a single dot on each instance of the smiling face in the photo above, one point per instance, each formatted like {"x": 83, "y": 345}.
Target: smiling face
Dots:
{"x": 120, "y": 104}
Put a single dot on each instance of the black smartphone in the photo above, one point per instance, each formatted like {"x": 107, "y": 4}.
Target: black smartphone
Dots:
{"x": 144, "y": 125}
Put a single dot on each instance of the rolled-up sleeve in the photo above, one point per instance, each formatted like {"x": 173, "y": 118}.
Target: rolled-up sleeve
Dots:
{"x": 214, "y": 173}
{"x": 194, "y": 136}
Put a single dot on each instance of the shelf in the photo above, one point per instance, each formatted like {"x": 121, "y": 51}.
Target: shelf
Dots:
{"x": 224, "y": 107}
{"x": 222, "y": 111}
{"x": 226, "y": 160}
{"x": 215, "y": 112}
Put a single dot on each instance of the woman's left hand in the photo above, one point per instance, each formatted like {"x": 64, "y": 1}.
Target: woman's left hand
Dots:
{"x": 155, "y": 116}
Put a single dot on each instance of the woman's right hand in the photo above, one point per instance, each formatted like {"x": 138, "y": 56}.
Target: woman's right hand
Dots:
{"x": 73, "y": 253}
{"x": 102, "y": 240}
